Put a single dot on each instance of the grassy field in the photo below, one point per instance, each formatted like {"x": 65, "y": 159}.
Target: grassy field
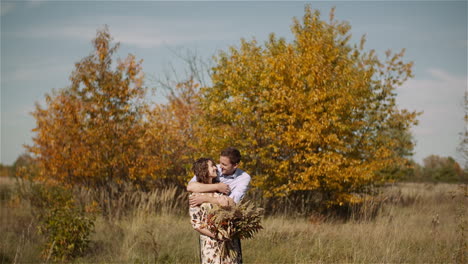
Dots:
{"x": 418, "y": 223}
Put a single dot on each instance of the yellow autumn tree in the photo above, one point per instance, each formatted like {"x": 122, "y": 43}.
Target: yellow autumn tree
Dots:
{"x": 171, "y": 135}
{"x": 88, "y": 133}
{"x": 314, "y": 114}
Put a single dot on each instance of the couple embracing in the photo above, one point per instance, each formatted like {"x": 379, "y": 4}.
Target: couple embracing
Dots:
{"x": 224, "y": 184}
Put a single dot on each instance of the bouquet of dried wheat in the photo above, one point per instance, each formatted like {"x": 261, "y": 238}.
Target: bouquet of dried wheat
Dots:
{"x": 240, "y": 221}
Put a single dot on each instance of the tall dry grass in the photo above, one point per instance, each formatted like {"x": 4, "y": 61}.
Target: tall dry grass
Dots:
{"x": 18, "y": 240}
{"x": 166, "y": 198}
{"x": 414, "y": 223}
{"x": 418, "y": 224}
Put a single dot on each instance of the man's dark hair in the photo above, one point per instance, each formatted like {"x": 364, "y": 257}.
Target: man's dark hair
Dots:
{"x": 233, "y": 154}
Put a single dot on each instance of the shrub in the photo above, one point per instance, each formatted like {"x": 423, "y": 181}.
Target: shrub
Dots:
{"x": 65, "y": 225}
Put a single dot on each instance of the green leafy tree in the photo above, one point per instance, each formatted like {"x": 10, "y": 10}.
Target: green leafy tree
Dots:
{"x": 438, "y": 168}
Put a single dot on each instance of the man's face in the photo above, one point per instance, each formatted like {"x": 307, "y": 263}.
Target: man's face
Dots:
{"x": 227, "y": 168}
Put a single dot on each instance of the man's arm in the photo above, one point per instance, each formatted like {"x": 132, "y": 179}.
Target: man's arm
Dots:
{"x": 196, "y": 200}
{"x": 198, "y": 187}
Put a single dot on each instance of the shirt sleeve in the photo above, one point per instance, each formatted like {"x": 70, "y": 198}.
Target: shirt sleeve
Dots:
{"x": 241, "y": 188}
{"x": 194, "y": 179}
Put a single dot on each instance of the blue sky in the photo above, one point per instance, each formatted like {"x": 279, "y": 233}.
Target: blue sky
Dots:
{"x": 41, "y": 41}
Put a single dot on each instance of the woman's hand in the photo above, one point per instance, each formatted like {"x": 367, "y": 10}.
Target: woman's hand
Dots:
{"x": 196, "y": 200}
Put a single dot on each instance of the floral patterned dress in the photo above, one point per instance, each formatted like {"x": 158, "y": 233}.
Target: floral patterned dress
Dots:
{"x": 210, "y": 248}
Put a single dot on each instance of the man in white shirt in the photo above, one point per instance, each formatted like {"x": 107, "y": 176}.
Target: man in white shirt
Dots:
{"x": 234, "y": 182}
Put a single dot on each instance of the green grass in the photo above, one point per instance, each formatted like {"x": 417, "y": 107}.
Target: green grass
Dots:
{"x": 418, "y": 223}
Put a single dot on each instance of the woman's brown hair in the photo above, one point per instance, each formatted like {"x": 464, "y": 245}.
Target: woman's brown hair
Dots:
{"x": 200, "y": 169}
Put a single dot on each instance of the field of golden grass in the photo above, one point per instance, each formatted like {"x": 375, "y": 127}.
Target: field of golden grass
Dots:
{"x": 417, "y": 223}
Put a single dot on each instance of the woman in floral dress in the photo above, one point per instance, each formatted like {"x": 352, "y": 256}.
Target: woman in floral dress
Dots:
{"x": 210, "y": 248}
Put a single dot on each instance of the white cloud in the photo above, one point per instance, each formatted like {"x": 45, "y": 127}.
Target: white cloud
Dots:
{"x": 441, "y": 75}
{"x": 150, "y": 39}
{"x": 35, "y": 3}
{"x": 441, "y": 100}
{"x": 141, "y": 32}
{"x": 6, "y": 7}
{"x": 32, "y": 73}
{"x": 442, "y": 90}
{"x": 36, "y": 71}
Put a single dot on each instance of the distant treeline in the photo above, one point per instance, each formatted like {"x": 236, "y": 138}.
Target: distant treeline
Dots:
{"x": 24, "y": 160}
{"x": 433, "y": 169}
{"x": 437, "y": 169}
{"x": 5, "y": 170}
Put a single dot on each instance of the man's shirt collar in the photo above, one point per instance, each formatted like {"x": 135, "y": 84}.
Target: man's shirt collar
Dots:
{"x": 232, "y": 176}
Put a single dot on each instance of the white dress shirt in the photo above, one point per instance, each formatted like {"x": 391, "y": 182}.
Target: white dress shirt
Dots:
{"x": 238, "y": 182}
